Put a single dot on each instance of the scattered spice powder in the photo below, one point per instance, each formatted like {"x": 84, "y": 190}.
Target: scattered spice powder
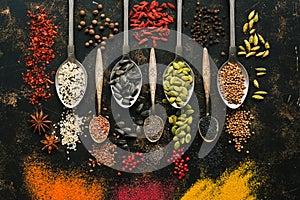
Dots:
{"x": 238, "y": 125}
{"x": 242, "y": 183}
{"x": 145, "y": 190}
{"x": 43, "y": 183}
{"x": 104, "y": 153}
{"x": 40, "y": 54}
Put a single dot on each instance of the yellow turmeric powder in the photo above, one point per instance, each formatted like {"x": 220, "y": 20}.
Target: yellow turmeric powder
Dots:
{"x": 236, "y": 185}
{"x": 43, "y": 183}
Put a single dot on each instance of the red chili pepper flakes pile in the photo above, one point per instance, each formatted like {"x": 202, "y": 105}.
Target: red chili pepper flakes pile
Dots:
{"x": 151, "y": 22}
{"x": 40, "y": 53}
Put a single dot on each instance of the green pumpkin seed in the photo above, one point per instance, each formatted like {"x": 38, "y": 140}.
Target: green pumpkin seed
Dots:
{"x": 181, "y": 64}
{"x": 176, "y": 65}
{"x": 188, "y": 129}
{"x": 251, "y": 14}
{"x": 172, "y": 99}
{"x": 180, "y": 104}
{"x": 170, "y": 120}
{"x": 188, "y": 106}
{"x": 181, "y": 134}
{"x": 258, "y": 97}
{"x": 172, "y": 93}
{"x": 188, "y": 138}
{"x": 182, "y": 140}
{"x": 190, "y": 111}
{"x": 177, "y": 145}
{"x": 261, "y": 92}
{"x": 173, "y": 130}
{"x": 260, "y": 73}
{"x": 255, "y": 83}
{"x": 189, "y": 120}
{"x": 175, "y": 138}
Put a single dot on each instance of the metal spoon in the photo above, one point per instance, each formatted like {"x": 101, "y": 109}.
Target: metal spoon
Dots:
{"x": 233, "y": 59}
{"x": 97, "y": 132}
{"x": 207, "y": 121}
{"x": 178, "y": 57}
{"x": 129, "y": 66}
{"x": 153, "y": 125}
{"x": 70, "y": 64}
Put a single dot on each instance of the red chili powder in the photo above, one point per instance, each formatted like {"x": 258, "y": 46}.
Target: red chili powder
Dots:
{"x": 145, "y": 190}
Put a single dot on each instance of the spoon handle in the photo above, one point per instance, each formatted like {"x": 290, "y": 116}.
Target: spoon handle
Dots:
{"x": 152, "y": 76}
{"x": 179, "y": 27}
{"x": 232, "y": 23}
{"x": 206, "y": 78}
{"x": 99, "y": 78}
{"x": 71, "y": 29}
{"x": 125, "y": 44}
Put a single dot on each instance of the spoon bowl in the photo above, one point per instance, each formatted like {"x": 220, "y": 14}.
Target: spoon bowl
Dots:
{"x": 178, "y": 58}
{"x": 66, "y": 73}
{"x": 153, "y": 125}
{"x": 232, "y": 60}
{"x": 99, "y": 126}
{"x": 126, "y": 76}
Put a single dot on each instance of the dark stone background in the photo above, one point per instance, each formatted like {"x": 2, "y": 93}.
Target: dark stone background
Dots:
{"x": 275, "y": 146}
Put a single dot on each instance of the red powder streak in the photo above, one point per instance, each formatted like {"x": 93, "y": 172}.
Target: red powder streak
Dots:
{"x": 146, "y": 190}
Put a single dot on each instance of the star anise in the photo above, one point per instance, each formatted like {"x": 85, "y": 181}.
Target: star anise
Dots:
{"x": 39, "y": 122}
{"x": 50, "y": 142}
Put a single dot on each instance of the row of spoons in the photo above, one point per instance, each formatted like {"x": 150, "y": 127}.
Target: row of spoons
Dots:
{"x": 128, "y": 73}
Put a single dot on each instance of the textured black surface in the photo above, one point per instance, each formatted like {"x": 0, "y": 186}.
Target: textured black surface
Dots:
{"x": 275, "y": 146}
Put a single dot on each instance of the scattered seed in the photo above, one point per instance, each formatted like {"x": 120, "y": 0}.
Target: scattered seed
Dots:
{"x": 255, "y": 48}
{"x": 260, "y": 54}
{"x": 252, "y": 53}
{"x": 258, "y": 97}
{"x": 267, "y": 45}
{"x": 242, "y": 48}
{"x": 251, "y": 23}
{"x": 251, "y": 39}
{"x": 260, "y": 69}
{"x": 240, "y": 53}
{"x": 265, "y": 54}
{"x": 252, "y": 31}
{"x": 261, "y": 92}
{"x": 255, "y": 83}
{"x": 245, "y": 27}
{"x": 256, "y": 17}
{"x": 260, "y": 37}
{"x": 248, "y": 45}
{"x": 251, "y": 14}
{"x": 260, "y": 73}
{"x": 255, "y": 40}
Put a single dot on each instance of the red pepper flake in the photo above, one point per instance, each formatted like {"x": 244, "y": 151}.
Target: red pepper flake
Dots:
{"x": 40, "y": 53}
{"x": 153, "y": 19}
{"x": 130, "y": 162}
